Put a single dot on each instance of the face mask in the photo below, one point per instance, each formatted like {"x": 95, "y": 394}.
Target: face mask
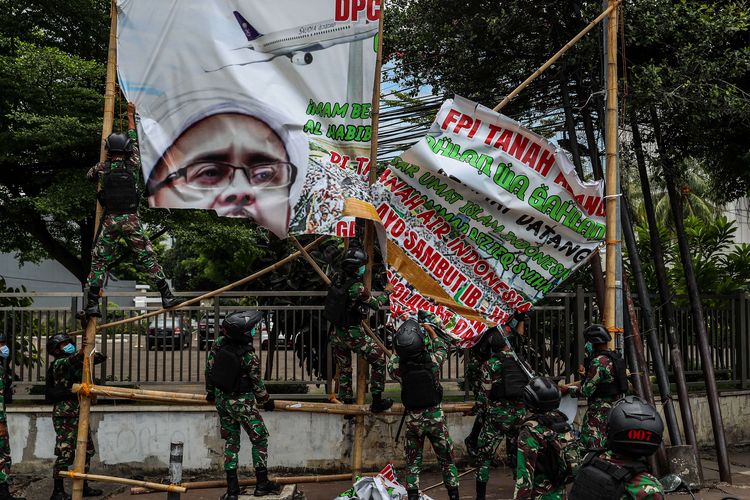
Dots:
{"x": 69, "y": 349}
{"x": 361, "y": 271}
{"x": 588, "y": 347}
{"x": 4, "y": 351}
{"x": 253, "y": 331}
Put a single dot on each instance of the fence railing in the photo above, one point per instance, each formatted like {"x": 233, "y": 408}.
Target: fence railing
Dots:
{"x": 172, "y": 348}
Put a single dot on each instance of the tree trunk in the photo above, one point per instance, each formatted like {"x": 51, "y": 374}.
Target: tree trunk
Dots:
{"x": 570, "y": 125}
{"x": 668, "y": 315}
{"x": 696, "y": 307}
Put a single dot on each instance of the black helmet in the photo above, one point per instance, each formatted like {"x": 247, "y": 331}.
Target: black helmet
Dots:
{"x": 3, "y": 337}
{"x": 634, "y": 428}
{"x": 118, "y": 143}
{"x": 54, "y": 341}
{"x": 596, "y": 334}
{"x": 541, "y": 394}
{"x": 482, "y": 348}
{"x": 497, "y": 340}
{"x": 409, "y": 339}
{"x": 239, "y": 326}
{"x": 354, "y": 258}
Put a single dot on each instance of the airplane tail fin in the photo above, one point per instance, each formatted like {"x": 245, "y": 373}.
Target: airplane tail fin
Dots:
{"x": 250, "y": 32}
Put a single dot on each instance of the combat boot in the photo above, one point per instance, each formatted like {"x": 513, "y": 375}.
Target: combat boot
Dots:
{"x": 263, "y": 486}
{"x": 233, "y": 486}
{"x": 481, "y": 490}
{"x": 88, "y": 491}
{"x": 167, "y": 299}
{"x": 472, "y": 439}
{"x": 412, "y": 494}
{"x": 453, "y": 493}
{"x": 92, "y": 302}
{"x": 5, "y": 493}
{"x": 58, "y": 492}
{"x": 379, "y": 404}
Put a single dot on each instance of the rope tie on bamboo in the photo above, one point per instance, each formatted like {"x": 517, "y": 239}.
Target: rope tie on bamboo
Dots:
{"x": 615, "y": 330}
{"x": 613, "y": 242}
{"x": 85, "y": 390}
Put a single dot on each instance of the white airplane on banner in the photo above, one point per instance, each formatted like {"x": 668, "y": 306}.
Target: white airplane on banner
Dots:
{"x": 298, "y": 43}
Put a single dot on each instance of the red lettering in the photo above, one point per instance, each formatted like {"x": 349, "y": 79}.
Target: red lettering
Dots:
{"x": 373, "y": 10}
{"x": 474, "y": 129}
{"x": 519, "y": 146}
{"x": 503, "y": 142}
{"x": 494, "y": 129}
{"x": 464, "y": 122}
{"x": 346, "y": 229}
{"x": 414, "y": 202}
{"x": 342, "y": 10}
{"x": 530, "y": 157}
{"x": 545, "y": 162}
{"x": 451, "y": 118}
{"x": 471, "y": 296}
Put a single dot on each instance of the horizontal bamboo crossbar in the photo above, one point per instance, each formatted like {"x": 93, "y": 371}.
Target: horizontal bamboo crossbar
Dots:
{"x": 120, "y": 480}
{"x": 196, "y": 300}
{"x": 221, "y": 483}
{"x": 281, "y": 405}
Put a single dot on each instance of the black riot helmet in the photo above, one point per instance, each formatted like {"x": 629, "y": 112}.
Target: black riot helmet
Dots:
{"x": 482, "y": 348}
{"x": 54, "y": 341}
{"x": 118, "y": 143}
{"x": 354, "y": 258}
{"x": 497, "y": 340}
{"x": 541, "y": 394}
{"x": 596, "y": 334}
{"x": 634, "y": 428}
{"x": 240, "y": 326}
{"x": 409, "y": 339}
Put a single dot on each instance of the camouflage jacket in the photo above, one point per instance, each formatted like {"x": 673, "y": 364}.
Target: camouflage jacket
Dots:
{"x": 66, "y": 371}
{"x": 133, "y": 162}
{"x": 643, "y": 486}
{"x": 250, "y": 365}
{"x": 3, "y": 418}
{"x": 534, "y": 442}
{"x": 600, "y": 371}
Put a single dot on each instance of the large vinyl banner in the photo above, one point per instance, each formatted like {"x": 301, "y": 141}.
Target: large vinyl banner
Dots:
{"x": 484, "y": 216}
{"x": 253, "y": 108}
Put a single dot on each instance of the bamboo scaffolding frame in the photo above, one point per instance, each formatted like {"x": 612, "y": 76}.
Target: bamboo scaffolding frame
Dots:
{"x": 218, "y": 291}
{"x": 77, "y": 476}
{"x": 220, "y": 483}
{"x": 544, "y": 67}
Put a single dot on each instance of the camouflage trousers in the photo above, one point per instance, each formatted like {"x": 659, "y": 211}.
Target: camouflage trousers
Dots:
{"x": 499, "y": 421}
{"x": 594, "y": 426}
{"x": 128, "y": 228}
{"x": 429, "y": 424}
{"x": 66, "y": 432}
{"x": 5, "y": 461}
{"x": 343, "y": 342}
{"x": 241, "y": 413}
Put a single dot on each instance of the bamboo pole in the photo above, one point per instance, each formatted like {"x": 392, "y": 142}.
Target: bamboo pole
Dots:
{"x": 221, "y": 483}
{"x": 359, "y": 423}
{"x": 89, "y": 339}
{"x": 544, "y": 67}
{"x": 443, "y": 482}
{"x": 119, "y": 480}
{"x": 327, "y": 281}
{"x": 208, "y": 295}
{"x": 612, "y": 241}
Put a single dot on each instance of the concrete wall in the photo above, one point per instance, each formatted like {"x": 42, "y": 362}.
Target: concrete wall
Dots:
{"x": 139, "y": 437}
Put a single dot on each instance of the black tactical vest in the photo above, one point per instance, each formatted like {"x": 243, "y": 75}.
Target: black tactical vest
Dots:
{"x": 514, "y": 379}
{"x": 119, "y": 194}
{"x": 228, "y": 374}
{"x": 340, "y": 310}
{"x": 57, "y": 392}
{"x": 599, "y": 479}
{"x": 419, "y": 388}
{"x": 619, "y": 384}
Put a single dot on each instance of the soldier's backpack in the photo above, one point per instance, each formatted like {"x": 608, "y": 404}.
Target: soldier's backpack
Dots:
{"x": 560, "y": 458}
{"x": 119, "y": 193}
{"x": 227, "y": 372}
{"x": 419, "y": 389}
{"x": 513, "y": 382}
{"x": 599, "y": 479}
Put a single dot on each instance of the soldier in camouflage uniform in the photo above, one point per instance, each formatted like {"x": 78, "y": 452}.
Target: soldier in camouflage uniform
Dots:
{"x": 548, "y": 453}
{"x": 63, "y": 372}
{"x": 417, "y": 368}
{"x": 346, "y": 306}
{"x": 5, "y": 461}
{"x": 119, "y": 197}
{"x": 501, "y": 401}
{"x": 605, "y": 382}
{"x": 634, "y": 433}
{"x": 234, "y": 383}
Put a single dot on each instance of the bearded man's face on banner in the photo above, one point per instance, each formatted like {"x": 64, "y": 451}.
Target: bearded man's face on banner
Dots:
{"x": 232, "y": 163}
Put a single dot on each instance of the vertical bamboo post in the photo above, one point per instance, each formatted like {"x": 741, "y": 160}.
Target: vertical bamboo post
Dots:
{"x": 359, "y": 423}
{"x": 613, "y": 244}
{"x": 89, "y": 337}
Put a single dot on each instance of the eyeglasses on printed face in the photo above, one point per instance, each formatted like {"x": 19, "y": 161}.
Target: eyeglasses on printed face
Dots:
{"x": 217, "y": 175}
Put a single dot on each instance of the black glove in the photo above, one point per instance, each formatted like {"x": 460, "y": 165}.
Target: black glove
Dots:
{"x": 269, "y": 405}
{"x": 210, "y": 396}
{"x": 99, "y": 358}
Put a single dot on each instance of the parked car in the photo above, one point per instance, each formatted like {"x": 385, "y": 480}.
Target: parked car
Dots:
{"x": 207, "y": 330}
{"x": 173, "y": 331}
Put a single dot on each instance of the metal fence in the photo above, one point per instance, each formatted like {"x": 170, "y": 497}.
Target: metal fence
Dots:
{"x": 172, "y": 347}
